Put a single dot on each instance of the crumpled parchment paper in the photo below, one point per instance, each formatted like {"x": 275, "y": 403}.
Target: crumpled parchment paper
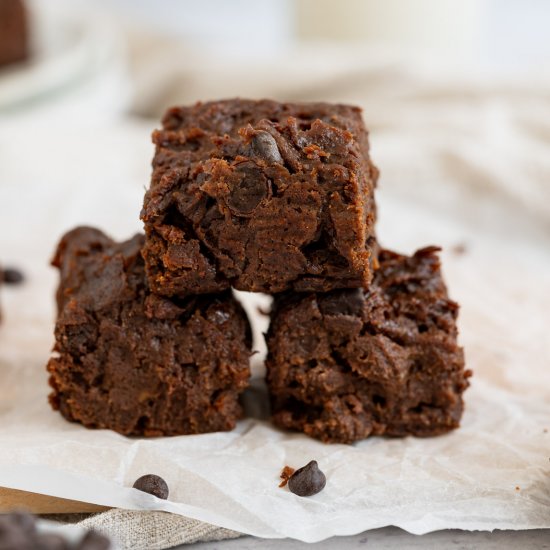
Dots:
{"x": 492, "y": 473}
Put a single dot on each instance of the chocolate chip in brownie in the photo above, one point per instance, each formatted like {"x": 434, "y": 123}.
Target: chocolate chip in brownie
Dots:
{"x": 343, "y": 302}
{"x": 250, "y": 192}
{"x": 263, "y": 145}
{"x": 152, "y": 484}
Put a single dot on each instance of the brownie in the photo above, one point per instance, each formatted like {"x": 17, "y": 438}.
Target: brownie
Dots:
{"x": 261, "y": 196}
{"x": 136, "y": 362}
{"x": 13, "y": 31}
{"x": 18, "y": 532}
{"x": 352, "y": 363}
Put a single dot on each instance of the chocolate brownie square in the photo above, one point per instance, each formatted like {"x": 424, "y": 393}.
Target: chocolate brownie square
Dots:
{"x": 13, "y": 31}
{"x": 135, "y": 362}
{"x": 352, "y": 363}
{"x": 261, "y": 196}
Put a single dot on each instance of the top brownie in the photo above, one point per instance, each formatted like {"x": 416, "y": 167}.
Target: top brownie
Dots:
{"x": 261, "y": 196}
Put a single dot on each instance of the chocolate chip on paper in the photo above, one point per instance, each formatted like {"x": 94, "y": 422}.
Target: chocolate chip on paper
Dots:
{"x": 307, "y": 481}
{"x": 152, "y": 484}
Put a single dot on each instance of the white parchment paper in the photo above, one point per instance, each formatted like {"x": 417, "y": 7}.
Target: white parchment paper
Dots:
{"x": 493, "y": 472}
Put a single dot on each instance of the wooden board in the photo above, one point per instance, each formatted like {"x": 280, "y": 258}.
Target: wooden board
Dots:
{"x": 14, "y": 499}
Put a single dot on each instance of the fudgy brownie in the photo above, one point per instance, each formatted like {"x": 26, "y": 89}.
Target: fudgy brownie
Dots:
{"x": 260, "y": 195}
{"x": 351, "y": 363}
{"x": 135, "y": 362}
{"x": 13, "y": 31}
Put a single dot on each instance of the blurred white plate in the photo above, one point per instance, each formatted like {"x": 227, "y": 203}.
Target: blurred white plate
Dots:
{"x": 70, "y": 41}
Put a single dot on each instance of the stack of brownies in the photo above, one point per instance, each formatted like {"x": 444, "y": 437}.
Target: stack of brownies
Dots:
{"x": 262, "y": 197}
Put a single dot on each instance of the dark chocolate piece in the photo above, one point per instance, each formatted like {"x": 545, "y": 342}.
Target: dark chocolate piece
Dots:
{"x": 307, "y": 481}
{"x": 135, "y": 362}
{"x": 262, "y": 196}
{"x": 152, "y": 484}
{"x": 349, "y": 364}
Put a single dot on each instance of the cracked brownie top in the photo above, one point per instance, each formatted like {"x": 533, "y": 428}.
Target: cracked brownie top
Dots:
{"x": 262, "y": 196}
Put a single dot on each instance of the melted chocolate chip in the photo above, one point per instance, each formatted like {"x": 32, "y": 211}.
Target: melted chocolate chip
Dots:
{"x": 250, "y": 192}
{"x": 307, "y": 481}
{"x": 263, "y": 144}
{"x": 343, "y": 302}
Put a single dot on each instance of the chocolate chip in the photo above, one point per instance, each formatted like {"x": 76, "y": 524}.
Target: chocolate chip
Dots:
{"x": 250, "y": 191}
{"x": 12, "y": 276}
{"x": 343, "y": 302}
{"x": 152, "y": 484}
{"x": 94, "y": 541}
{"x": 264, "y": 146}
{"x": 307, "y": 481}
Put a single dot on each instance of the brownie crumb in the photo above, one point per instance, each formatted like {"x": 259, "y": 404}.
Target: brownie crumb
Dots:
{"x": 286, "y": 475}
